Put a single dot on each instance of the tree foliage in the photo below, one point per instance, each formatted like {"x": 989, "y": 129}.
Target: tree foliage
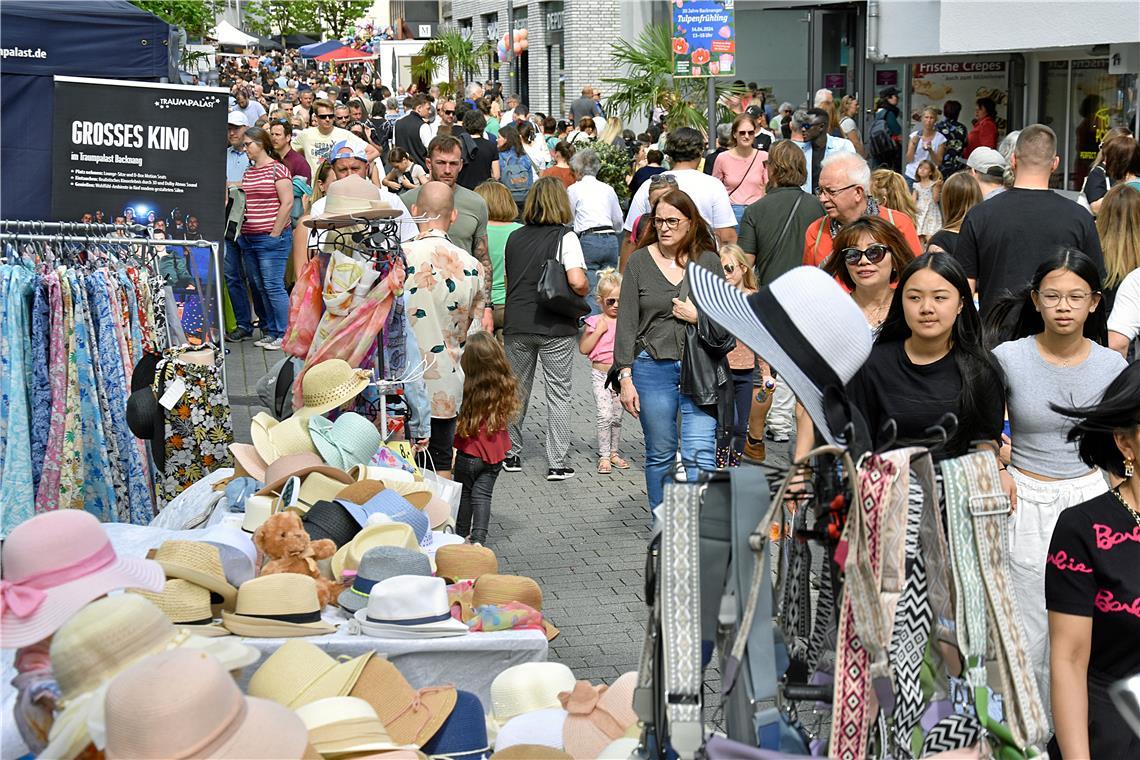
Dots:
{"x": 337, "y": 16}
{"x": 459, "y": 53}
{"x": 615, "y": 167}
{"x": 282, "y": 17}
{"x": 195, "y": 16}
{"x": 648, "y": 82}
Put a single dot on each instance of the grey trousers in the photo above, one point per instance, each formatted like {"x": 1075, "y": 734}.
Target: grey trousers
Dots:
{"x": 557, "y": 354}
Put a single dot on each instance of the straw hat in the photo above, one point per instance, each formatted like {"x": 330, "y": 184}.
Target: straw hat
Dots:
{"x": 409, "y": 607}
{"x": 360, "y": 491}
{"x": 463, "y": 735}
{"x": 528, "y": 687}
{"x": 542, "y": 728}
{"x": 351, "y": 440}
{"x": 344, "y": 725}
{"x": 385, "y": 534}
{"x": 597, "y": 715}
{"x": 273, "y": 439}
{"x": 529, "y": 752}
{"x": 99, "y": 642}
{"x": 235, "y": 547}
{"x": 411, "y": 716}
{"x": 500, "y": 589}
{"x": 280, "y": 605}
{"x": 54, "y": 564}
{"x": 379, "y": 564}
{"x": 186, "y": 604}
{"x": 327, "y": 385}
{"x": 182, "y": 704}
{"x": 246, "y": 456}
{"x": 465, "y": 561}
{"x": 331, "y": 520}
{"x": 258, "y": 508}
{"x": 300, "y": 672}
{"x": 197, "y": 562}
{"x": 349, "y": 204}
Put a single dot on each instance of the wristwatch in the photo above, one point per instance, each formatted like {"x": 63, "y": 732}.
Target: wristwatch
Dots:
{"x": 623, "y": 374}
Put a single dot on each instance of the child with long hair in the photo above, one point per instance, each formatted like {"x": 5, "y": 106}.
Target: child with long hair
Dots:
{"x": 927, "y": 195}
{"x": 490, "y": 403}
{"x": 597, "y": 342}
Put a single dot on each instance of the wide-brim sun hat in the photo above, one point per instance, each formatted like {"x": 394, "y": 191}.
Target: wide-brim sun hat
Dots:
{"x": 357, "y": 200}
{"x": 329, "y": 384}
{"x": 349, "y": 441}
{"x": 281, "y": 605}
{"x": 537, "y": 727}
{"x": 300, "y": 672}
{"x": 345, "y": 725}
{"x": 198, "y": 562}
{"x": 182, "y": 704}
{"x": 246, "y": 456}
{"x": 597, "y": 715}
{"x": 815, "y": 350}
{"x": 460, "y": 562}
{"x": 463, "y": 736}
{"x": 104, "y": 639}
{"x": 54, "y": 564}
{"x": 279, "y": 471}
{"x": 438, "y": 513}
{"x": 528, "y": 687}
{"x": 273, "y": 440}
{"x": 383, "y": 534}
{"x": 412, "y": 716}
{"x": 379, "y": 564}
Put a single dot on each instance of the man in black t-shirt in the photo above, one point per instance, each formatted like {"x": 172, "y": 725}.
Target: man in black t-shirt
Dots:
{"x": 1005, "y": 239}
{"x": 479, "y": 165}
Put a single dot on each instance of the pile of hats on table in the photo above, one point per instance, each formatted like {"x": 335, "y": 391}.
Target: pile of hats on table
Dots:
{"x": 111, "y": 672}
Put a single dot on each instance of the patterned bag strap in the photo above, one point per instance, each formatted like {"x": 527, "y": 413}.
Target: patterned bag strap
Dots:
{"x": 680, "y": 606}
{"x": 978, "y": 512}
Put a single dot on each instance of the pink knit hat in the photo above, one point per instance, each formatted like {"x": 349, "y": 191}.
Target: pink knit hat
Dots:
{"x": 56, "y": 563}
{"x": 596, "y": 715}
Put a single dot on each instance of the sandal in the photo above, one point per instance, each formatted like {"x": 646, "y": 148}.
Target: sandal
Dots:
{"x": 618, "y": 462}
{"x": 604, "y": 466}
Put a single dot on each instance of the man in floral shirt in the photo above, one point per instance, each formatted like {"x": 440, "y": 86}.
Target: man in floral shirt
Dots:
{"x": 955, "y": 133}
{"x": 445, "y": 295}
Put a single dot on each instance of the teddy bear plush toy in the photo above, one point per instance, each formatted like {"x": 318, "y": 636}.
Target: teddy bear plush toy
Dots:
{"x": 282, "y": 539}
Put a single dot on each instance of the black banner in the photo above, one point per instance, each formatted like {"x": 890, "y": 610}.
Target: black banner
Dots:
{"x": 152, "y": 154}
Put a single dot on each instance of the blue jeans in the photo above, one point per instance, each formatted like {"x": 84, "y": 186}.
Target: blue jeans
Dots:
{"x": 264, "y": 257}
{"x": 739, "y": 209}
{"x": 742, "y": 391}
{"x": 658, "y": 388}
{"x": 236, "y": 285}
{"x": 600, "y": 251}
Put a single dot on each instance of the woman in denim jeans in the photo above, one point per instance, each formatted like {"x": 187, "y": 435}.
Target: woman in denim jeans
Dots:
{"x": 597, "y": 219}
{"x": 266, "y": 235}
{"x": 650, "y": 339}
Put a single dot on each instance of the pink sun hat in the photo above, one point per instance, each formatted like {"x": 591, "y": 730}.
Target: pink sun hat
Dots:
{"x": 56, "y": 563}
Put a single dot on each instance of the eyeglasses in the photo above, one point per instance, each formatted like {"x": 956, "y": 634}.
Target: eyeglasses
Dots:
{"x": 612, "y": 301}
{"x": 325, "y": 116}
{"x": 246, "y": 143}
{"x": 1051, "y": 298}
{"x": 822, "y": 191}
{"x": 874, "y": 253}
{"x": 729, "y": 268}
{"x": 669, "y": 224}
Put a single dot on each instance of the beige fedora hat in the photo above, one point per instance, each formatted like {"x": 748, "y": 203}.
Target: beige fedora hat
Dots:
{"x": 345, "y": 725}
{"x": 348, "y": 556}
{"x": 281, "y": 605}
{"x": 351, "y": 200}
{"x": 300, "y": 672}
{"x": 187, "y": 605}
{"x": 183, "y": 704}
{"x": 197, "y": 562}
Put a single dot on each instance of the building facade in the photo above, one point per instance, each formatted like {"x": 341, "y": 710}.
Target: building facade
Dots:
{"x": 568, "y": 46}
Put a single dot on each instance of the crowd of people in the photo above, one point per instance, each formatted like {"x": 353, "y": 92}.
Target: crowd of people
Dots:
{"x": 991, "y": 296}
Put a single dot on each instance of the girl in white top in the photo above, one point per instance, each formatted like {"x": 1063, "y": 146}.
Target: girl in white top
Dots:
{"x": 925, "y": 143}
{"x": 848, "y": 109}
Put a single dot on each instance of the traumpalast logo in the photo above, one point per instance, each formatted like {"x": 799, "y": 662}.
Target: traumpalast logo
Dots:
{"x": 209, "y": 101}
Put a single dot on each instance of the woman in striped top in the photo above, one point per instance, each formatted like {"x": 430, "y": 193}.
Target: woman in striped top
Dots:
{"x": 266, "y": 234}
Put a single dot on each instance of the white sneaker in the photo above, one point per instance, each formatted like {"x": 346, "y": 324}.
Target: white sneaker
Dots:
{"x": 272, "y": 345}
{"x": 260, "y": 342}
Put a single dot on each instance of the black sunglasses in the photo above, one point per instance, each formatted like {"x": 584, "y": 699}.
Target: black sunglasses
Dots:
{"x": 449, "y": 113}
{"x": 612, "y": 301}
{"x": 325, "y": 116}
{"x": 729, "y": 268}
{"x": 875, "y": 253}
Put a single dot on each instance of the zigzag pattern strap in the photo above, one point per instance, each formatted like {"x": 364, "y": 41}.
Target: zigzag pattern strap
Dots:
{"x": 681, "y": 616}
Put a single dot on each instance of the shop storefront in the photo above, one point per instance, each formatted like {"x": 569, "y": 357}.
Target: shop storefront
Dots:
{"x": 555, "y": 58}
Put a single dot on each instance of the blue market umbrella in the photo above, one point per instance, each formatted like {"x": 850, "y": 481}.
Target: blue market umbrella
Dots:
{"x": 320, "y": 48}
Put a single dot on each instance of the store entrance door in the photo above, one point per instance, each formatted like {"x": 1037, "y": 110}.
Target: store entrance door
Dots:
{"x": 834, "y": 57}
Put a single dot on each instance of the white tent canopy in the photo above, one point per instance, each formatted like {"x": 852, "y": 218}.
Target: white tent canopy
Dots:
{"x": 228, "y": 34}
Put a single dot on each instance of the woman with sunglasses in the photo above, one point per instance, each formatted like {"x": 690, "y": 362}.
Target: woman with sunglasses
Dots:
{"x": 650, "y": 339}
{"x": 742, "y": 169}
{"x": 1091, "y": 582}
{"x": 1054, "y": 351}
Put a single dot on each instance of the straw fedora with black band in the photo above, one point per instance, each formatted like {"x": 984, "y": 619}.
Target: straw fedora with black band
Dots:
{"x": 187, "y": 605}
{"x": 281, "y": 605}
{"x": 817, "y": 351}
{"x": 300, "y": 672}
{"x": 412, "y": 716}
{"x": 197, "y": 562}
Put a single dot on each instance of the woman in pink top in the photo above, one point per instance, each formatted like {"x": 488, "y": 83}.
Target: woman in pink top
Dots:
{"x": 743, "y": 169}
{"x": 597, "y": 342}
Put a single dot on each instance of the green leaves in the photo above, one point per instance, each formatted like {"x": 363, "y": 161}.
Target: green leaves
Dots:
{"x": 281, "y": 17}
{"x": 195, "y": 16}
{"x": 451, "y": 49}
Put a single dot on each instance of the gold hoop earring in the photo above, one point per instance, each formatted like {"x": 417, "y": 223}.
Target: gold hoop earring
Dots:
{"x": 1129, "y": 468}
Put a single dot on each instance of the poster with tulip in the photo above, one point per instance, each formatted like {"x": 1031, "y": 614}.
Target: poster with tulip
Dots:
{"x": 704, "y": 38}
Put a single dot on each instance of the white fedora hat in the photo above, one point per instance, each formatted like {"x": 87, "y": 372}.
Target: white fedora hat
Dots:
{"x": 816, "y": 350}
{"x": 409, "y": 607}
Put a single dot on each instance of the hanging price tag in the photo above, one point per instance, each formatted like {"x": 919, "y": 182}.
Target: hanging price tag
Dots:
{"x": 175, "y": 391}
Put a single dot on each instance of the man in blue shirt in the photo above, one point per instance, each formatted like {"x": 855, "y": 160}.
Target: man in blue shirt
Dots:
{"x": 236, "y": 160}
{"x": 818, "y": 145}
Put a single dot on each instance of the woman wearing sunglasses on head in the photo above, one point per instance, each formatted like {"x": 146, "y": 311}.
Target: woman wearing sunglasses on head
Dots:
{"x": 869, "y": 254}
{"x": 1054, "y": 352}
{"x": 742, "y": 169}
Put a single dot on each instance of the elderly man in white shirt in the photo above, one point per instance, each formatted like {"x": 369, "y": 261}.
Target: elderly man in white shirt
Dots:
{"x": 597, "y": 218}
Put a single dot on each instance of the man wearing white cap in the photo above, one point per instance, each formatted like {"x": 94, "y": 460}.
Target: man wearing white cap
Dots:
{"x": 236, "y": 160}
{"x": 987, "y": 167}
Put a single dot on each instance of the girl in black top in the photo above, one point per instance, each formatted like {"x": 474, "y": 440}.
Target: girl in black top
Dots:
{"x": 929, "y": 360}
{"x": 958, "y": 196}
{"x": 1092, "y": 582}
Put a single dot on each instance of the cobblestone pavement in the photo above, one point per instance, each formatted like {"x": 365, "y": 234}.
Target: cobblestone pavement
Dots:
{"x": 583, "y": 539}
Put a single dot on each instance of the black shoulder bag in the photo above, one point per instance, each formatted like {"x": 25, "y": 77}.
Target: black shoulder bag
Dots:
{"x": 554, "y": 293}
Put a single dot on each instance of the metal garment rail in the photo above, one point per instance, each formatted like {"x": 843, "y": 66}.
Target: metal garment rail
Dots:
{"x": 11, "y": 231}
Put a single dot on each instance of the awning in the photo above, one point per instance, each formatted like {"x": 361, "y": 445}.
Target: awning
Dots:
{"x": 228, "y": 34}
{"x": 346, "y": 55}
{"x": 294, "y": 41}
{"x": 312, "y": 51}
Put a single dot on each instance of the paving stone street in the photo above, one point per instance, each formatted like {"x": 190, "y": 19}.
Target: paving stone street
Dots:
{"x": 583, "y": 540}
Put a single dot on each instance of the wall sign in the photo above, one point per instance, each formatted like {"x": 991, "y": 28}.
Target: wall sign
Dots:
{"x": 704, "y": 38}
